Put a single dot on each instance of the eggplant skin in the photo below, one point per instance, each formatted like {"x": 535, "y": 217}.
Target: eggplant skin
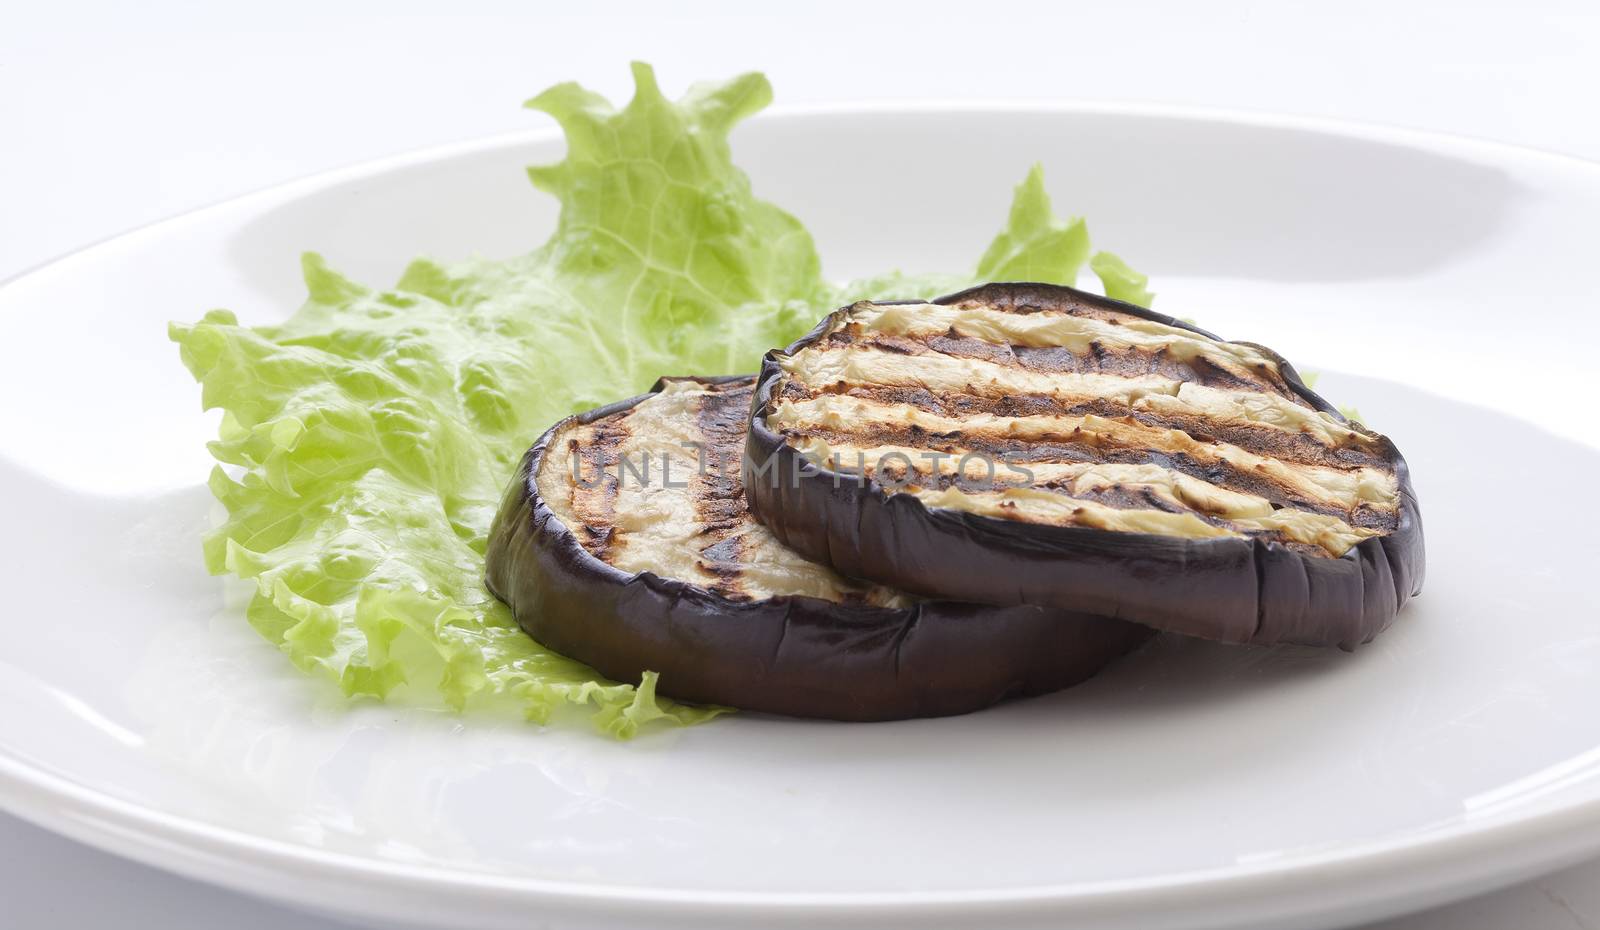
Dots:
{"x": 1231, "y": 589}
{"x": 797, "y": 656}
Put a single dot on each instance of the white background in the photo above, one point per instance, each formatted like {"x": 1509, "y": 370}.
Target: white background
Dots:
{"x": 116, "y": 115}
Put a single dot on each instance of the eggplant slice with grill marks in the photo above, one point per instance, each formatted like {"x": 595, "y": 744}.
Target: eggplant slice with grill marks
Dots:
{"x": 608, "y": 558}
{"x": 1035, "y": 444}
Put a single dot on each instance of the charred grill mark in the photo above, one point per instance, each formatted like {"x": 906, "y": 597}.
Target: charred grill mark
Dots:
{"x": 1265, "y": 441}
{"x": 899, "y": 345}
{"x": 1043, "y": 359}
{"x": 1368, "y": 517}
{"x": 1213, "y": 374}
{"x": 1078, "y": 447}
{"x": 1024, "y": 307}
{"x": 594, "y": 502}
{"x": 1292, "y": 448}
{"x": 1119, "y": 497}
{"x": 718, "y": 495}
{"x": 1122, "y": 497}
{"x": 1294, "y": 545}
{"x": 1127, "y": 362}
{"x": 721, "y": 552}
{"x": 1154, "y": 501}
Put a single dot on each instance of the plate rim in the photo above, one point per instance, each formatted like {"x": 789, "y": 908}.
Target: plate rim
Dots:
{"x": 1354, "y": 875}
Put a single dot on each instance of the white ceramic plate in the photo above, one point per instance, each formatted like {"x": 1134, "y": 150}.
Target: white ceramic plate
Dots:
{"x": 1444, "y": 286}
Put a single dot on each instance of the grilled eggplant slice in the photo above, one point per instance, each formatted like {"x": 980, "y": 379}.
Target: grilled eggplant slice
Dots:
{"x": 1033, "y": 444}
{"x": 611, "y": 558}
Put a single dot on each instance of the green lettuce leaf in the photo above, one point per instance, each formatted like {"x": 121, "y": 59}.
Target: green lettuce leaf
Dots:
{"x": 365, "y": 441}
{"x": 1121, "y": 282}
{"x": 1033, "y": 246}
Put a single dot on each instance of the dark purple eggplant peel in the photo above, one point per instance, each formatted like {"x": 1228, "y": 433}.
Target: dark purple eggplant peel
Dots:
{"x": 678, "y": 578}
{"x": 1161, "y": 475}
